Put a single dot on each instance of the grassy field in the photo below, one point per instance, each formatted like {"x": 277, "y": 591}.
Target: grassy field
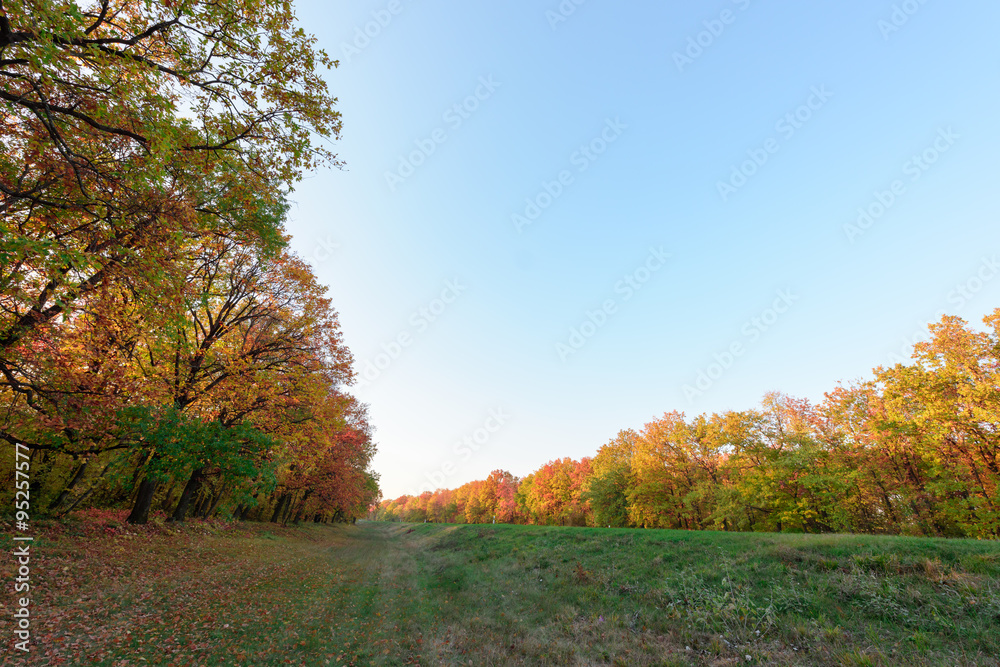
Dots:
{"x": 399, "y": 594}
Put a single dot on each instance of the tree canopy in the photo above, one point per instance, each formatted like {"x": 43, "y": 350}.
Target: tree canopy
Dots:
{"x": 915, "y": 450}
{"x": 156, "y": 336}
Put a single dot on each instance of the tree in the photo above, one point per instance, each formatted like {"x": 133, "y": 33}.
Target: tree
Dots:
{"x": 497, "y": 497}
{"x": 873, "y": 496}
{"x": 554, "y": 494}
{"x": 255, "y": 338}
{"x": 130, "y": 124}
{"x": 325, "y": 471}
{"x": 945, "y": 407}
{"x": 607, "y": 487}
{"x": 667, "y": 491}
{"x": 178, "y": 444}
{"x": 915, "y": 451}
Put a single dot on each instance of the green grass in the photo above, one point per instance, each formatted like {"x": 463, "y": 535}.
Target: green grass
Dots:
{"x": 595, "y": 596}
{"x": 399, "y": 594}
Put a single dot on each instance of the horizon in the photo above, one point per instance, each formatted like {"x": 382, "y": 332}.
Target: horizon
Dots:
{"x": 510, "y": 172}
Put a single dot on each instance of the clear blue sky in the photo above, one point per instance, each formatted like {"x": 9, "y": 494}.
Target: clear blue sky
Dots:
{"x": 621, "y": 130}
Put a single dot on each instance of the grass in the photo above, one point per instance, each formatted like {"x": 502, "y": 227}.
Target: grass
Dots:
{"x": 397, "y": 594}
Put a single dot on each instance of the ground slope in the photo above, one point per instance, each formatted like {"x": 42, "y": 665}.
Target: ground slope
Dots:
{"x": 399, "y": 594}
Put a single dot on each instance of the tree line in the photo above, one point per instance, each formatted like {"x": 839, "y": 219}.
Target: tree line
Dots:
{"x": 915, "y": 450}
{"x": 161, "y": 348}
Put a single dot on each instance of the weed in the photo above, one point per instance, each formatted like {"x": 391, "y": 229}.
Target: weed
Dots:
{"x": 857, "y": 658}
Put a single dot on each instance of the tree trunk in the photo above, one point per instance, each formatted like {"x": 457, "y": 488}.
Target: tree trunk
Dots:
{"x": 86, "y": 493}
{"x": 302, "y": 507}
{"x": 168, "y": 498}
{"x": 279, "y": 508}
{"x": 215, "y": 503}
{"x": 190, "y": 489}
{"x": 283, "y": 519}
{"x": 77, "y": 474}
{"x": 143, "y": 499}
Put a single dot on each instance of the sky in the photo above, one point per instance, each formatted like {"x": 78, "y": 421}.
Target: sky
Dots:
{"x": 556, "y": 220}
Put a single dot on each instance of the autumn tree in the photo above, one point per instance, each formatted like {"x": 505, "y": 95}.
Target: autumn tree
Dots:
{"x": 670, "y": 463}
{"x": 127, "y": 122}
{"x": 945, "y": 409}
{"x": 554, "y": 494}
{"x": 256, "y": 340}
{"x": 873, "y": 494}
{"x": 325, "y": 472}
{"x": 496, "y": 498}
{"x": 610, "y": 480}
{"x": 223, "y": 391}
{"x": 916, "y": 450}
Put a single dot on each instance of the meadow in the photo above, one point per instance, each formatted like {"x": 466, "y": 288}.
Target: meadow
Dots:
{"x": 228, "y": 593}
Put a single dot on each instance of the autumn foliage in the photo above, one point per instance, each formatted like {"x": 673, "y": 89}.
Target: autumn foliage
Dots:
{"x": 915, "y": 450}
{"x": 161, "y": 349}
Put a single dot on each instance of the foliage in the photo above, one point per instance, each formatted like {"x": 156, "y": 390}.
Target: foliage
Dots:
{"x": 914, "y": 451}
{"x": 182, "y": 443}
{"x": 159, "y": 345}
